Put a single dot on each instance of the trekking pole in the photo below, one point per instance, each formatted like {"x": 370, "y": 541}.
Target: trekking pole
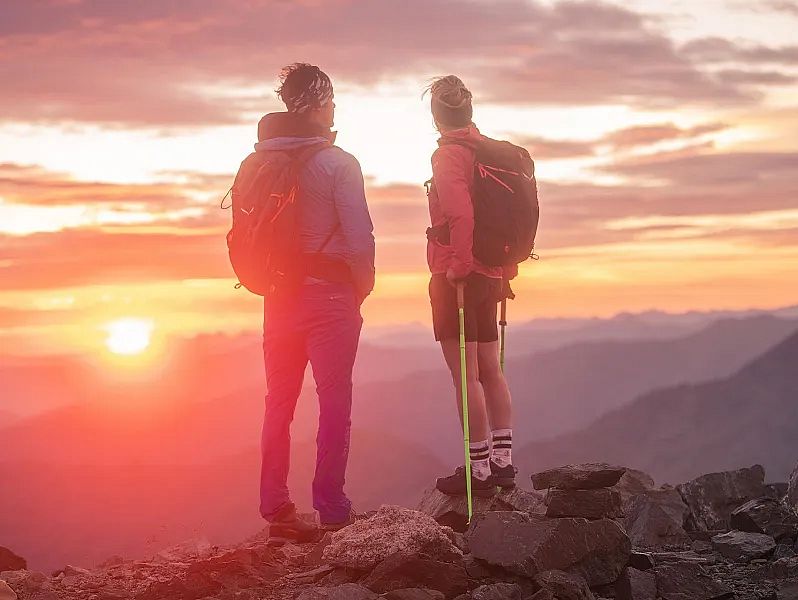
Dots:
{"x": 464, "y": 393}
{"x": 503, "y": 324}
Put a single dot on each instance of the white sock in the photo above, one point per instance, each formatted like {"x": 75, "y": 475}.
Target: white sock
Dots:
{"x": 502, "y": 447}
{"x": 480, "y": 459}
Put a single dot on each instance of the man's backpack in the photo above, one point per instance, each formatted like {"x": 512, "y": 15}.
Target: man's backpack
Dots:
{"x": 263, "y": 242}
{"x": 505, "y": 199}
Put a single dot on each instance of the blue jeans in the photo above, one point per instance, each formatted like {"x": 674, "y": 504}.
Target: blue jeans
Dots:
{"x": 322, "y": 326}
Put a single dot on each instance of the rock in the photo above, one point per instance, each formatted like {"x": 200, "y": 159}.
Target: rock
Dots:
{"x": 497, "y": 591}
{"x": 414, "y": 594}
{"x": 590, "y": 504}
{"x": 528, "y": 545}
{"x": 6, "y": 593}
{"x": 686, "y": 581}
{"x": 641, "y": 561}
{"x": 71, "y": 571}
{"x": 712, "y": 498}
{"x": 636, "y": 585}
{"x": 10, "y": 561}
{"x": 783, "y": 551}
{"x": 783, "y": 568}
{"x": 391, "y": 530}
{"x": 543, "y": 595}
{"x": 787, "y": 590}
{"x": 314, "y": 557}
{"x": 655, "y": 519}
{"x": 187, "y": 550}
{"x": 743, "y": 546}
{"x": 452, "y": 511}
{"x": 347, "y": 591}
{"x": 766, "y": 515}
{"x": 777, "y": 490}
{"x": 564, "y": 586}
{"x": 792, "y": 489}
{"x": 528, "y": 501}
{"x": 632, "y": 483}
{"x": 403, "y": 571}
{"x": 662, "y": 558}
{"x": 586, "y": 476}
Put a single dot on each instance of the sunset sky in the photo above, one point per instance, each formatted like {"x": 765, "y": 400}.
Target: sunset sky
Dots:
{"x": 665, "y": 135}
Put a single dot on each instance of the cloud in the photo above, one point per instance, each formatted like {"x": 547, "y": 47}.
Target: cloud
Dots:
{"x": 643, "y": 135}
{"x": 200, "y": 63}
{"x": 716, "y": 49}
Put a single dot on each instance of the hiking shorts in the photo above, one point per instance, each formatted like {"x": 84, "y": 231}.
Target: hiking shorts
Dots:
{"x": 481, "y": 297}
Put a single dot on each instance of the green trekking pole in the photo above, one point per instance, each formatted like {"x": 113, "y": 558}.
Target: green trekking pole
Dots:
{"x": 503, "y": 324}
{"x": 464, "y": 393}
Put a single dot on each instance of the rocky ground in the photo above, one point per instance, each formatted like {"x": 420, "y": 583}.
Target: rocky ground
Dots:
{"x": 584, "y": 532}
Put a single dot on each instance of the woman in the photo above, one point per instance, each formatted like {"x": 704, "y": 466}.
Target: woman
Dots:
{"x": 451, "y": 262}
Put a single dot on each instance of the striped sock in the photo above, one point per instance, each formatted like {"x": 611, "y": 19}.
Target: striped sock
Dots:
{"x": 480, "y": 459}
{"x": 502, "y": 447}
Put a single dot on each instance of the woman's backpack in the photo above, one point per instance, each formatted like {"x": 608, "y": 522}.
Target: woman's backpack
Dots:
{"x": 505, "y": 200}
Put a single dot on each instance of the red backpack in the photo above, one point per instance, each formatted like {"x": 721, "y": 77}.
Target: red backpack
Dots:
{"x": 263, "y": 242}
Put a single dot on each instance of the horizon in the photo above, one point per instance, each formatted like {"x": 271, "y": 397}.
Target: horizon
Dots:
{"x": 665, "y": 175}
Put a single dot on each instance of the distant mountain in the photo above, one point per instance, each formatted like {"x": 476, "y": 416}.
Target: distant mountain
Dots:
{"x": 680, "y": 432}
{"x": 567, "y": 388}
{"x": 165, "y": 422}
{"x": 87, "y": 513}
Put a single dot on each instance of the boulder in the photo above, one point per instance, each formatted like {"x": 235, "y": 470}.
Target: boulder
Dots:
{"x": 632, "y": 483}
{"x": 792, "y": 489}
{"x": 656, "y": 518}
{"x": 497, "y": 591}
{"x": 452, "y": 511}
{"x": 599, "y": 503}
{"x": 10, "y": 561}
{"x": 413, "y": 594}
{"x": 787, "y": 590}
{"x": 403, "y": 571}
{"x": 585, "y": 476}
{"x": 564, "y": 586}
{"x": 766, "y": 515}
{"x": 528, "y": 545}
{"x": 636, "y": 585}
{"x": 777, "y": 490}
{"x": 743, "y": 546}
{"x": 347, "y": 591}
{"x": 712, "y": 498}
{"x": 783, "y": 551}
{"x": 392, "y": 530}
{"x": 6, "y": 593}
{"x": 687, "y": 581}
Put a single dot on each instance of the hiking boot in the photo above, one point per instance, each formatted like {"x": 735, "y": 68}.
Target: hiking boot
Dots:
{"x": 286, "y": 525}
{"x": 504, "y": 477}
{"x": 455, "y": 485}
{"x": 341, "y": 524}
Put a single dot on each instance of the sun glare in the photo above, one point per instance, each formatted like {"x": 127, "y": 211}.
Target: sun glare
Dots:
{"x": 128, "y": 336}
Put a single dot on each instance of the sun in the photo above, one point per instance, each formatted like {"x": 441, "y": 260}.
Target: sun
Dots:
{"x": 128, "y": 336}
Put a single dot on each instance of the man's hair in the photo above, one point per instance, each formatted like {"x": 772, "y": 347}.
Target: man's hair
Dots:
{"x": 450, "y": 101}
{"x": 304, "y": 87}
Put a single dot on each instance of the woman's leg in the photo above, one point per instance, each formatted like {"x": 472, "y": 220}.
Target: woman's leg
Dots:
{"x": 477, "y": 414}
{"x": 497, "y": 394}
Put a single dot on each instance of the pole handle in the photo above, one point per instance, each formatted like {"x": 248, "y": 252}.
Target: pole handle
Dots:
{"x": 460, "y": 294}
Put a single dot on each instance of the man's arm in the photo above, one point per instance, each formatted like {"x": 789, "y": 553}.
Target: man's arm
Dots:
{"x": 350, "y": 203}
{"x": 451, "y": 173}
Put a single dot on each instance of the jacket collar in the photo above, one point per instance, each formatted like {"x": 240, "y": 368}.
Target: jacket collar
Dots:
{"x": 285, "y": 124}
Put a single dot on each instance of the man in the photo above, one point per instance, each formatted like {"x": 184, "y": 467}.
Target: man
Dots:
{"x": 321, "y": 323}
